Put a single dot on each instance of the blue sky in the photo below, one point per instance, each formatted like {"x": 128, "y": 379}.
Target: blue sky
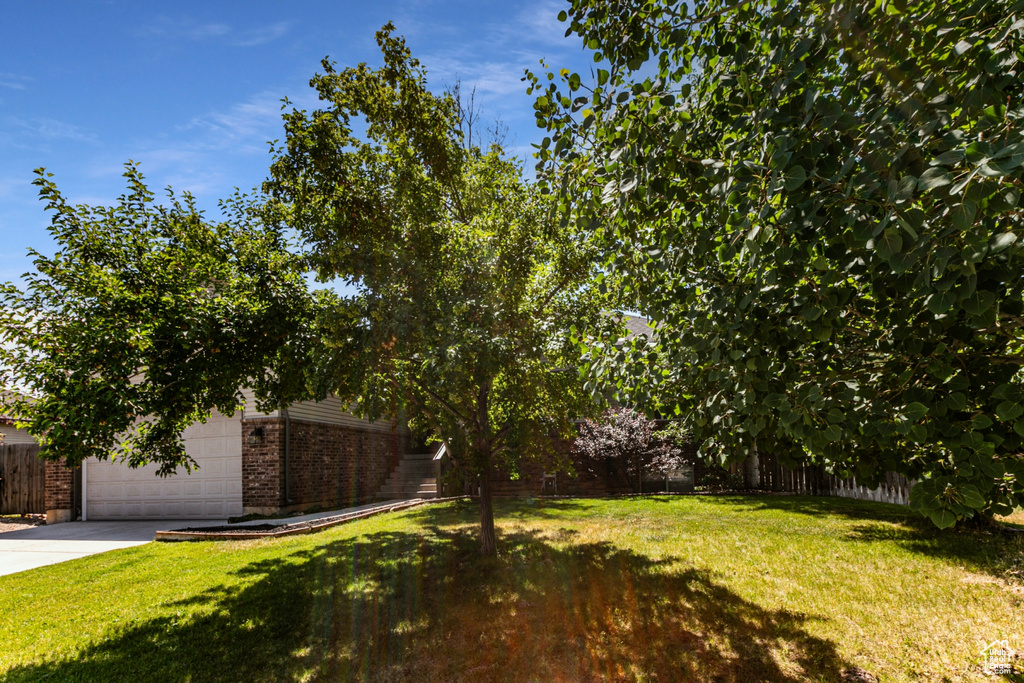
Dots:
{"x": 192, "y": 90}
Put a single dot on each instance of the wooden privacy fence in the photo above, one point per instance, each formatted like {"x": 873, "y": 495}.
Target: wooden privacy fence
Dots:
{"x": 815, "y": 481}
{"x": 22, "y": 480}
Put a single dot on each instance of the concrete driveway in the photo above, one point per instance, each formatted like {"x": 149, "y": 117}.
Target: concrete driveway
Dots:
{"x": 53, "y": 543}
{"x": 50, "y": 544}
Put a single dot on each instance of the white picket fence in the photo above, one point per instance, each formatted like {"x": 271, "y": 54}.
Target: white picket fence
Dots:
{"x": 813, "y": 480}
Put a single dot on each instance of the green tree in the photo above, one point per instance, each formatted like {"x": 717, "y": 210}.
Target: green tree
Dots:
{"x": 466, "y": 289}
{"x": 145, "y": 319}
{"x": 820, "y": 205}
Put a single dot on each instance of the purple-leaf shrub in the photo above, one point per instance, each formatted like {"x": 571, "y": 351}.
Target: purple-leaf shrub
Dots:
{"x": 625, "y": 439}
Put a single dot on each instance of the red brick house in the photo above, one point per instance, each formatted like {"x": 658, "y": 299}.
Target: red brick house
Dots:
{"x": 311, "y": 454}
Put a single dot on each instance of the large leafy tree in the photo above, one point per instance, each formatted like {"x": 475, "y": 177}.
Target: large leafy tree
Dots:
{"x": 146, "y": 318}
{"x": 466, "y": 289}
{"x": 819, "y": 202}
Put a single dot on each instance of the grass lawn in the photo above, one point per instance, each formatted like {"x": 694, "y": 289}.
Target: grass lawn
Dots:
{"x": 652, "y": 589}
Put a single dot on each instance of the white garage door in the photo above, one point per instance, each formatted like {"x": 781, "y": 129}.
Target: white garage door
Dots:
{"x": 213, "y": 491}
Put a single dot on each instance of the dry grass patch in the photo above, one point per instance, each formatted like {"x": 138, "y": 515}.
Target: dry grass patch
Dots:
{"x": 1016, "y": 518}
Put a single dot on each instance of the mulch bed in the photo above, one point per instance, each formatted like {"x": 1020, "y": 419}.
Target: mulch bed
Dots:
{"x": 233, "y": 532}
{"x": 253, "y": 529}
{"x": 13, "y": 523}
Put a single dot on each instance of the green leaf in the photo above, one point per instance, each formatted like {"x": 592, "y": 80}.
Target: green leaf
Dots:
{"x": 1001, "y": 242}
{"x": 979, "y": 302}
{"x": 942, "y": 518}
{"x": 1008, "y": 410}
{"x": 905, "y": 188}
{"x": 1006, "y": 199}
{"x": 952, "y": 157}
{"x": 888, "y": 243}
{"x": 941, "y": 302}
{"x": 779, "y": 159}
{"x": 957, "y": 400}
{"x": 963, "y": 215}
{"x": 811, "y": 313}
{"x": 901, "y": 263}
{"x": 981, "y": 422}
{"x": 972, "y": 497}
{"x": 915, "y": 411}
{"x": 932, "y": 178}
{"x": 794, "y": 178}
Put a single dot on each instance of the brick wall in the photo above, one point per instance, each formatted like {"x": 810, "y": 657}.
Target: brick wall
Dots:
{"x": 262, "y": 466}
{"x": 335, "y": 464}
{"x": 58, "y": 492}
{"x": 329, "y": 465}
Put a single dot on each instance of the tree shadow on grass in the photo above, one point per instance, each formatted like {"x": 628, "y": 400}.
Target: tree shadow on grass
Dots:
{"x": 984, "y": 550}
{"x": 978, "y": 550}
{"x": 817, "y": 506}
{"x": 425, "y": 607}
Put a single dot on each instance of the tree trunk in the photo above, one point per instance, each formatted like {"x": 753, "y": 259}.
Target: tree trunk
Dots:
{"x": 752, "y": 469}
{"x": 488, "y": 545}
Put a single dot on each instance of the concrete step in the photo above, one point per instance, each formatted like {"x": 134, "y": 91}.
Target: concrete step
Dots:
{"x": 406, "y": 480}
{"x": 402, "y": 479}
{"x": 411, "y": 487}
{"x": 414, "y": 477}
{"x": 416, "y": 465}
{"x": 409, "y": 480}
{"x": 410, "y": 483}
{"x": 414, "y": 472}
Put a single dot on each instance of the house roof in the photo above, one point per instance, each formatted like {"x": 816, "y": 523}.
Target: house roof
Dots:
{"x": 6, "y": 393}
{"x": 637, "y": 325}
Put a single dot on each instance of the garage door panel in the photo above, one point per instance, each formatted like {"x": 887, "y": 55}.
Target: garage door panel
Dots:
{"x": 216, "y": 509}
{"x": 212, "y": 490}
{"x": 213, "y": 468}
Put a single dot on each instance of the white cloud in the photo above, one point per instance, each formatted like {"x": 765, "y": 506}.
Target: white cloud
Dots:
{"x": 262, "y": 35}
{"x": 39, "y": 134}
{"x": 534, "y": 34}
{"x": 204, "y": 155}
{"x": 187, "y": 29}
{"x": 13, "y": 81}
{"x": 245, "y": 126}
{"x": 204, "y": 31}
{"x": 9, "y": 184}
{"x": 52, "y": 129}
{"x": 539, "y": 22}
